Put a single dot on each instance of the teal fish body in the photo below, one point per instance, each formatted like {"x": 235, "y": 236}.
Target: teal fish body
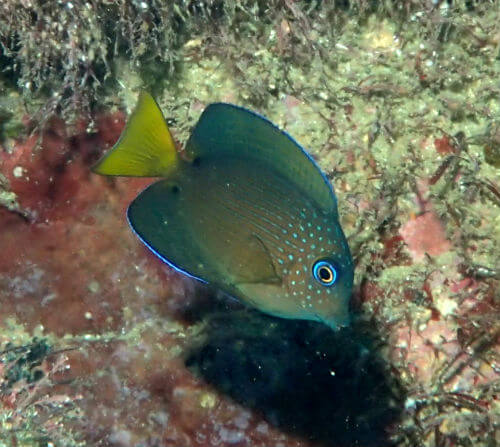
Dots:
{"x": 251, "y": 213}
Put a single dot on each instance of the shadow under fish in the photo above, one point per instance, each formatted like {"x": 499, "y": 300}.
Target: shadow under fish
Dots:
{"x": 331, "y": 387}
{"x": 246, "y": 210}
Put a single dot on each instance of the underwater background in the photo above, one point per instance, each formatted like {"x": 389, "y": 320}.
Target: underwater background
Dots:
{"x": 101, "y": 344}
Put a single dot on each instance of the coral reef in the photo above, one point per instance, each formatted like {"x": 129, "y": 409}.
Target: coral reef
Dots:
{"x": 101, "y": 344}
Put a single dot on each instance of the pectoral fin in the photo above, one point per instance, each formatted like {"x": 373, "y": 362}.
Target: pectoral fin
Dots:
{"x": 254, "y": 264}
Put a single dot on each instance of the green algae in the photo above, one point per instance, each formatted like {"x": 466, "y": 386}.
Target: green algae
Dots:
{"x": 8, "y": 199}
{"x": 11, "y": 112}
{"x": 28, "y": 415}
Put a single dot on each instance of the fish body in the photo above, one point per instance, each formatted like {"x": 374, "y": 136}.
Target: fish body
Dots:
{"x": 251, "y": 213}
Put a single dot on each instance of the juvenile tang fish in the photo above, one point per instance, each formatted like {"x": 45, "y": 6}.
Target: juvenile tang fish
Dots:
{"x": 250, "y": 212}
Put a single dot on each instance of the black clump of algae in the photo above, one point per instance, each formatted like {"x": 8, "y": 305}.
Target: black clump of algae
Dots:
{"x": 23, "y": 363}
{"x": 330, "y": 387}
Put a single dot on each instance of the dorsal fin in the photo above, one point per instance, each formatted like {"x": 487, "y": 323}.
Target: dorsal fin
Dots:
{"x": 226, "y": 130}
{"x": 145, "y": 147}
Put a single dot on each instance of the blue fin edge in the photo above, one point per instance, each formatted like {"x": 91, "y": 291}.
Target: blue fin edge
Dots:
{"x": 293, "y": 140}
{"x": 165, "y": 260}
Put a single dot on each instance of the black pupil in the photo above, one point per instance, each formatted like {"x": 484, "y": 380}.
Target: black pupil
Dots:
{"x": 325, "y": 274}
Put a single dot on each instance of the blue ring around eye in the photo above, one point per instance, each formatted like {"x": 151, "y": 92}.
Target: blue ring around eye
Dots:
{"x": 325, "y": 273}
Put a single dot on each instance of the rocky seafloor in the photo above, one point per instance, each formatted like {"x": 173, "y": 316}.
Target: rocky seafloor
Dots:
{"x": 101, "y": 344}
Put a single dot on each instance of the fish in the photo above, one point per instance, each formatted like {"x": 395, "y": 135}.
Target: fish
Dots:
{"x": 243, "y": 208}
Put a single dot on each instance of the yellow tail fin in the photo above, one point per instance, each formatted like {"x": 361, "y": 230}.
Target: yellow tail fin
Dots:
{"x": 145, "y": 147}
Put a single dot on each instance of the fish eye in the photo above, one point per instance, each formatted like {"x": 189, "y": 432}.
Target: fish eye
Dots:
{"x": 325, "y": 272}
